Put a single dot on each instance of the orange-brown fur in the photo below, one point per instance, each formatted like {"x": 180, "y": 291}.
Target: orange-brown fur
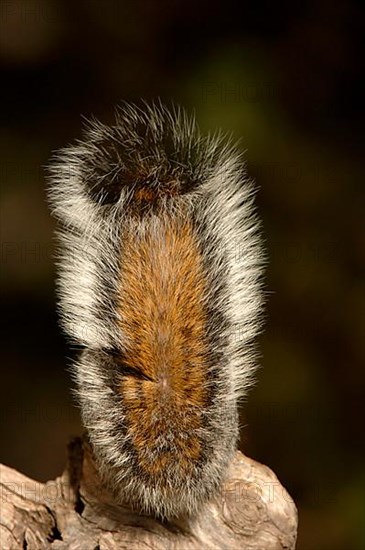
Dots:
{"x": 163, "y": 318}
{"x": 156, "y": 302}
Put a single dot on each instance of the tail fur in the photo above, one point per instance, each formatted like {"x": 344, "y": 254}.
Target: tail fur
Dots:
{"x": 160, "y": 269}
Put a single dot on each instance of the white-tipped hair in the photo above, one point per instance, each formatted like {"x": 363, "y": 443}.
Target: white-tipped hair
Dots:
{"x": 92, "y": 193}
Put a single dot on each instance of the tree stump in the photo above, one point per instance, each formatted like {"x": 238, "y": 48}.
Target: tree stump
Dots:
{"x": 252, "y": 512}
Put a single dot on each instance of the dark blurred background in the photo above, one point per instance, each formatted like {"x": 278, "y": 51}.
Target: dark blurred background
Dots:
{"x": 285, "y": 77}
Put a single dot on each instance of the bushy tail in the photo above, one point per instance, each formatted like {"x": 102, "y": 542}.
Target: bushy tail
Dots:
{"x": 170, "y": 286}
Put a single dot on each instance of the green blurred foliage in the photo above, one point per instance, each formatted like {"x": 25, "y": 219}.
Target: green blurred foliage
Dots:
{"x": 284, "y": 80}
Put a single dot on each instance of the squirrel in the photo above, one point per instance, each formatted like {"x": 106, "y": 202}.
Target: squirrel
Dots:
{"x": 160, "y": 265}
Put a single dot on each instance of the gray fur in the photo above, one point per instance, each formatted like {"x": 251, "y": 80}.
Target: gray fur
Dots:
{"x": 91, "y": 185}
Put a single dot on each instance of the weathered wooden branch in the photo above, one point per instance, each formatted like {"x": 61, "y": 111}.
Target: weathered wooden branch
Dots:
{"x": 253, "y": 512}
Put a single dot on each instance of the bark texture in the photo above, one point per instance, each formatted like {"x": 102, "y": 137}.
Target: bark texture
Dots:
{"x": 252, "y": 512}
